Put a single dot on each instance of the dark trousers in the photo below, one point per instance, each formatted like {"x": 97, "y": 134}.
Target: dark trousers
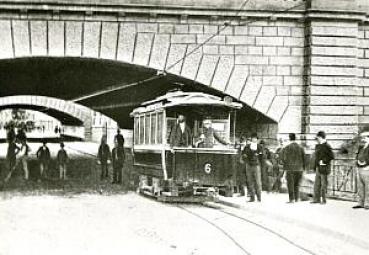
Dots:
{"x": 320, "y": 187}
{"x": 104, "y": 170}
{"x": 293, "y": 184}
{"x": 253, "y": 174}
{"x": 266, "y": 168}
{"x": 117, "y": 174}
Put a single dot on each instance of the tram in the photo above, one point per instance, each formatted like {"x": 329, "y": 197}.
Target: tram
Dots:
{"x": 197, "y": 171}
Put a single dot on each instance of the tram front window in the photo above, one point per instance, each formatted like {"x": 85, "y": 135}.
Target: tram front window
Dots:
{"x": 212, "y": 134}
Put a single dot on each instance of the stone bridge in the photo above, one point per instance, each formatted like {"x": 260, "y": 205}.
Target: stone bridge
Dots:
{"x": 68, "y": 113}
{"x": 302, "y": 64}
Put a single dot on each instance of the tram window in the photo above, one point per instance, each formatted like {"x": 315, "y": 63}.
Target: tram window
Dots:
{"x": 170, "y": 124}
{"x": 153, "y": 128}
{"x": 147, "y": 129}
{"x": 142, "y": 130}
{"x": 137, "y": 131}
{"x": 159, "y": 137}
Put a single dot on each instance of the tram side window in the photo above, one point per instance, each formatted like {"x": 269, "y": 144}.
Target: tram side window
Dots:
{"x": 142, "y": 130}
{"x": 153, "y": 128}
{"x": 147, "y": 129}
{"x": 171, "y": 122}
{"x": 137, "y": 131}
{"x": 159, "y": 138}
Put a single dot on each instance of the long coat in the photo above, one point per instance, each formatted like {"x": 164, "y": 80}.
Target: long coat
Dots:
{"x": 177, "y": 138}
{"x": 293, "y": 157}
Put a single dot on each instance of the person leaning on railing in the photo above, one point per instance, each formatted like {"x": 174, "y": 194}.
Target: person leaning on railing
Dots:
{"x": 363, "y": 176}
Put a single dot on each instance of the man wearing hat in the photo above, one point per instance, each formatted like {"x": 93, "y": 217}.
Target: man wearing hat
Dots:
{"x": 363, "y": 171}
{"x": 323, "y": 158}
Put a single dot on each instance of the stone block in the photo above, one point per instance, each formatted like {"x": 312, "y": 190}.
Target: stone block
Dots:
{"x": 186, "y": 39}
{"x": 240, "y": 40}
{"x": 283, "y": 70}
{"x": 109, "y": 38}
{"x": 256, "y": 70}
{"x": 256, "y": 31}
{"x": 366, "y": 73}
{"x": 269, "y": 41}
{"x": 265, "y": 98}
{"x": 56, "y": 38}
{"x": 333, "y": 71}
{"x": 283, "y": 51}
{"x": 297, "y": 70}
{"x": 292, "y": 61}
{"x": 293, "y": 81}
{"x": 147, "y": 27}
{"x": 207, "y": 69}
{"x": 284, "y": 31}
{"x": 38, "y": 38}
{"x": 269, "y": 51}
{"x": 272, "y": 80}
{"x": 251, "y": 60}
{"x": 176, "y": 52}
{"x": 278, "y": 107}
{"x": 237, "y": 80}
{"x": 297, "y": 51}
{"x": 240, "y": 30}
{"x": 166, "y": 28}
{"x": 255, "y": 50}
{"x": 335, "y": 31}
{"x": 270, "y": 31}
{"x": 252, "y": 87}
{"x": 331, "y": 119}
{"x": 91, "y": 39}
{"x": 191, "y": 62}
{"x": 181, "y": 29}
{"x": 222, "y": 72}
{"x": 334, "y": 51}
{"x": 334, "y": 90}
{"x": 269, "y": 70}
{"x": 294, "y": 41}
{"x": 6, "y": 45}
{"x": 21, "y": 38}
{"x": 73, "y": 31}
{"x": 331, "y": 110}
{"x": 333, "y": 41}
{"x": 225, "y": 50}
{"x": 363, "y": 62}
{"x": 159, "y": 50}
{"x": 331, "y": 129}
{"x": 196, "y": 29}
{"x": 219, "y": 39}
{"x": 290, "y": 122}
{"x": 333, "y": 61}
{"x": 241, "y": 49}
{"x": 337, "y": 81}
{"x": 211, "y": 49}
{"x": 226, "y": 30}
{"x": 333, "y": 100}
{"x": 210, "y": 29}
{"x": 298, "y": 32}
{"x": 126, "y": 44}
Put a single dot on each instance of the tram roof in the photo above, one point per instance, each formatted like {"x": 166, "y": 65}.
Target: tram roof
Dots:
{"x": 180, "y": 98}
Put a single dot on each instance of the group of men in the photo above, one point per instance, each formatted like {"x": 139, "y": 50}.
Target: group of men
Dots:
{"x": 23, "y": 150}
{"x": 293, "y": 162}
{"x": 116, "y": 156}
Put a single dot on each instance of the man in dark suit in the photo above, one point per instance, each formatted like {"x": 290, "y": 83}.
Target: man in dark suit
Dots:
{"x": 180, "y": 134}
{"x": 252, "y": 155}
{"x": 323, "y": 157}
{"x": 293, "y": 159}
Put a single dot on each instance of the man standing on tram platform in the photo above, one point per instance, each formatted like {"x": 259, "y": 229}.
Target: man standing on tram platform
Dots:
{"x": 252, "y": 155}
{"x": 180, "y": 134}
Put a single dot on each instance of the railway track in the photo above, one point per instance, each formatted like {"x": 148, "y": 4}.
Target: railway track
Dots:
{"x": 223, "y": 221}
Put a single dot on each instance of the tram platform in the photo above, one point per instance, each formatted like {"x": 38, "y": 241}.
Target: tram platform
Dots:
{"x": 336, "y": 218}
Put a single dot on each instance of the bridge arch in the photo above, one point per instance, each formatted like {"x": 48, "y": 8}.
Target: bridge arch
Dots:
{"x": 66, "y": 112}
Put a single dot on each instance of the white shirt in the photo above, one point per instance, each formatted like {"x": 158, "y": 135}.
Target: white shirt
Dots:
{"x": 182, "y": 125}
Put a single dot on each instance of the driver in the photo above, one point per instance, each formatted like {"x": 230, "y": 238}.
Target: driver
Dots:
{"x": 208, "y": 134}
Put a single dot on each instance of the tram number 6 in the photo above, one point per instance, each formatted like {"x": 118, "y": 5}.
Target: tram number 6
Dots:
{"x": 207, "y": 168}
